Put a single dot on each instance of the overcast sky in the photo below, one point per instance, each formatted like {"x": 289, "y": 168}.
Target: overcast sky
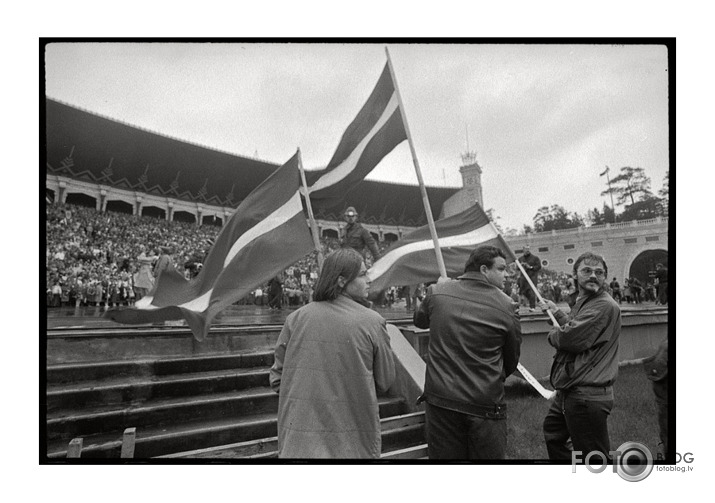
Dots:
{"x": 544, "y": 120}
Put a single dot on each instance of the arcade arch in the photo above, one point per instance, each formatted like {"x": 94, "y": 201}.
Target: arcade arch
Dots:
{"x": 153, "y": 212}
{"x": 643, "y": 265}
{"x": 211, "y": 220}
{"x": 184, "y": 216}
{"x": 81, "y": 199}
{"x": 118, "y": 206}
{"x": 390, "y": 237}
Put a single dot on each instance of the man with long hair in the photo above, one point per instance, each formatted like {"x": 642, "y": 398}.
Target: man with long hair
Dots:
{"x": 332, "y": 357}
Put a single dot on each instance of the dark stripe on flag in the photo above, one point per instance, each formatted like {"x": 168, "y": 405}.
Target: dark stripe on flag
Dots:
{"x": 399, "y": 266}
{"x": 375, "y": 132}
{"x": 266, "y": 234}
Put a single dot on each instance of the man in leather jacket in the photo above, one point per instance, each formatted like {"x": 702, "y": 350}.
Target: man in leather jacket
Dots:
{"x": 475, "y": 340}
{"x": 585, "y": 366}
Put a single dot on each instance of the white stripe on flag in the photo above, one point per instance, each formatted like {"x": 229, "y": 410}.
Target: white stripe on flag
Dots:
{"x": 348, "y": 165}
{"x": 471, "y": 238}
{"x": 145, "y": 303}
{"x": 271, "y": 222}
{"x": 275, "y": 219}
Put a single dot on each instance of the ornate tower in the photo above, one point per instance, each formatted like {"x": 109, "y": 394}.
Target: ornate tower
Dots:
{"x": 472, "y": 178}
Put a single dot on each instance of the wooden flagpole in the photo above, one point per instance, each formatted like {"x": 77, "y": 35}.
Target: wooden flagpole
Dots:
{"x": 311, "y": 218}
{"x": 536, "y": 291}
{"x": 423, "y": 190}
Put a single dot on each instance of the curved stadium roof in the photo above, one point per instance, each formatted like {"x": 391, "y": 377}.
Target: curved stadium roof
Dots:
{"x": 89, "y": 147}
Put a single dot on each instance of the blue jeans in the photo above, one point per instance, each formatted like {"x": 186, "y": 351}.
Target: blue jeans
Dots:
{"x": 580, "y": 418}
{"x": 454, "y": 435}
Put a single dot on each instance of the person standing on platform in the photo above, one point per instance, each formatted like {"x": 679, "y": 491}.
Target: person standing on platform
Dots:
{"x": 355, "y": 236}
{"x": 532, "y": 265}
{"x": 143, "y": 279}
{"x": 474, "y": 344}
{"x": 165, "y": 262}
{"x": 275, "y": 293}
{"x": 585, "y": 366}
{"x": 661, "y": 277}
{"x": 332, "y": 357}
{"x": 616, "y": 290}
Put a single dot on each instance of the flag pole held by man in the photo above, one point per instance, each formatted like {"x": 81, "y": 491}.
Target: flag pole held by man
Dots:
{"x": 266, "y": 234}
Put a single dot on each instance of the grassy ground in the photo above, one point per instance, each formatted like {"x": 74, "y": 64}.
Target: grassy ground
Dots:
{"x": 633, "y": 417}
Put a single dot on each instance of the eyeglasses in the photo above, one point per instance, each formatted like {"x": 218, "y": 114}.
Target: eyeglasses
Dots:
{"x": 587, "y": 271}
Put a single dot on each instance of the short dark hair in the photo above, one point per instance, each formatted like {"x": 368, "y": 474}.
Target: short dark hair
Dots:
{"x": 590, "y": 257}
{"x": 343, "y": 262}
{"x": 483, "y": 255}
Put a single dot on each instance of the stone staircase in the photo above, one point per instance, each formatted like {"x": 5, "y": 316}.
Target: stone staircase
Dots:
{"x": 185, "y": 401}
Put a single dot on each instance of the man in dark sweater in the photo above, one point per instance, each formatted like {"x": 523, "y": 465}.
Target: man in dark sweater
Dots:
{"x": 532, "y": 266}
{"x": 355, "y": 236}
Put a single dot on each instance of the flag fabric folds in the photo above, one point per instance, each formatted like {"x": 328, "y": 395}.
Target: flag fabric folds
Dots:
{"x": 266, "y": 234}
{"x": 375, "y": 132}
{"x": 412, "y": 260}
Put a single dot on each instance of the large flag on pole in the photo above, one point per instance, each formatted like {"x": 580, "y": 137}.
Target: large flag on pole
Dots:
{"x": 374, "y": 133}
{"x": 266, "y": 234}
{"x": 412, "y": 260}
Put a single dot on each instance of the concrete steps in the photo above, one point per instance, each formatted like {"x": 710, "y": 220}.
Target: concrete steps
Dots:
{"x": 176, "y": 404}
{"x": 180, "y": 433}
{"x": 402, "y": 438}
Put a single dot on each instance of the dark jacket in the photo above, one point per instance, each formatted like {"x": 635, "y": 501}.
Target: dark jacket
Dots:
{"x": 532, "y": 266}
{"x": 656, "y": 366}
{"x": 357, "y": 237}
{"x": 475, "y": 340}
{"x": 586, "y": 343}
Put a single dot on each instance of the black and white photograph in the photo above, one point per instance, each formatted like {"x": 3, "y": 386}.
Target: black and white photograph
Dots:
{"x": 429, "y": 260}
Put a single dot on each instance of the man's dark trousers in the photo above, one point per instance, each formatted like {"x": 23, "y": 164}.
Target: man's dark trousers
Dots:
{"x": 454, "y": 435}
{"x": 582, "y": 419}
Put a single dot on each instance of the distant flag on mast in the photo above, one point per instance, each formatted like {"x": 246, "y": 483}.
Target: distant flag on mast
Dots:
{"x": 266, "y": 234}
{"x": 375, "y": 132}
{"x": 411, "y": 260}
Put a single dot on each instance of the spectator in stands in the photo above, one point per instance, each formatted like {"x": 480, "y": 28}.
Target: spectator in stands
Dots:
{"x": 331, "y": 357}
{"x": 661, "y": 278}
{"x": 355, "y": 236}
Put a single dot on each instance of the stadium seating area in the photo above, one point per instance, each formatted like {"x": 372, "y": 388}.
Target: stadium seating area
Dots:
{"x": 91, "y": 257}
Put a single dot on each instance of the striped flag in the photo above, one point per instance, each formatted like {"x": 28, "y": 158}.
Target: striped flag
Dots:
{"x": 266, "y": 234}
{"x": 375, "y": 132}
{"x": 411, "y": 260}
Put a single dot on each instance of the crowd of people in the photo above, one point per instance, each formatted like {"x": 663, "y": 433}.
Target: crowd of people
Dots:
{"x": 113, "y": 259}
{"x": 102, "y": 258}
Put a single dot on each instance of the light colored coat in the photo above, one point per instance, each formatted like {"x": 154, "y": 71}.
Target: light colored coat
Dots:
{"x": 329, "y": 360}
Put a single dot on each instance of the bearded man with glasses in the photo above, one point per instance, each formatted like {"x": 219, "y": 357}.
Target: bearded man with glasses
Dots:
{"x": 585, "y": 366}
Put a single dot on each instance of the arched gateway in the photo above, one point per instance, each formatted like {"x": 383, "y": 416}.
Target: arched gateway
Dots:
{"x": 643, "y": 266}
